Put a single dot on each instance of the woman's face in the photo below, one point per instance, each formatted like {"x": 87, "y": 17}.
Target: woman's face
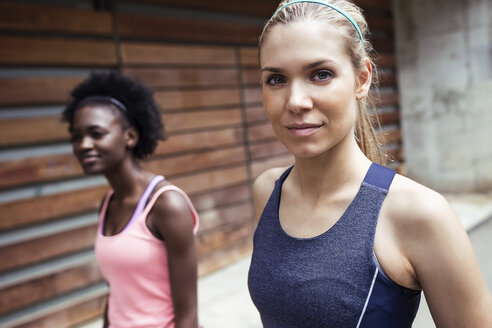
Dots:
{"x": 99, "y": 140}
{"x": 310, "y": 87}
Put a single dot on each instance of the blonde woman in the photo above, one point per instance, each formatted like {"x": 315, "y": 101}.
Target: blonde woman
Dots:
{"x": 342, "y": 241}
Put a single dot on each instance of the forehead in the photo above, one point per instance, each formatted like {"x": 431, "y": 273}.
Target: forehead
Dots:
{"x": 303, "y": 42}
{"x": 96, "y": 115}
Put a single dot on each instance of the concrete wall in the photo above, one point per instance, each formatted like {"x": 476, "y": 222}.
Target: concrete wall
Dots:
{"x": 444, "y": 52}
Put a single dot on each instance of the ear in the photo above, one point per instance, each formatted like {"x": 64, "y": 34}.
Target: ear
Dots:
{"x": 131, "y": 137}
{"x": 364, "y": 79}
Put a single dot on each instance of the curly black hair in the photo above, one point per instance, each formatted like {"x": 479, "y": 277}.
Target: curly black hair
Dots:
{"x": 142, "y": 112}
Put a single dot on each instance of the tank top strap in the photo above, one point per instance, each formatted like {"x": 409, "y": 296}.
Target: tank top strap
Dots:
{"x": 379, "y": 176}
{"x": 146, "y": 194}
{"x": 102, "y": 211}
{"x": 143, "y": 200}
{"x": 284, "y": 175}
{"x": 162, "y": 190}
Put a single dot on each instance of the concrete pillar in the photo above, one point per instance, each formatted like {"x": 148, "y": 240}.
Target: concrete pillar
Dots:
{"x": 444, "y": 55}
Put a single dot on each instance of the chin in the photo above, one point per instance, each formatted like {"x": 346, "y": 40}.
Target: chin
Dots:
{"x": 92, "y": 170}
{"x": 305, "y": 151}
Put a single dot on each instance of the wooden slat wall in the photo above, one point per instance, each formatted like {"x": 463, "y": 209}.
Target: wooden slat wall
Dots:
{"x": 205, "y": 75}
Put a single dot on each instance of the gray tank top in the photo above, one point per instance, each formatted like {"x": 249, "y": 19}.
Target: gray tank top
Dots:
{"x": 331, "y": 280}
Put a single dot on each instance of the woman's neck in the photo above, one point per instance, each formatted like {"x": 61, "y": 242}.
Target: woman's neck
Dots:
{"x": 327, "y": 173}
{"x": 128, "y": 179}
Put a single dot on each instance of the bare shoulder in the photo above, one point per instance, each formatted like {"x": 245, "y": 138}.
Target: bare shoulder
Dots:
{"x": 432, "y": 239}
{"x": 424, "y": 224}
{"x": 263, "y": 187}
{"x": 171, "y": 211}
{"x": 265, "y": 181}
{"x": 412, "y": 205}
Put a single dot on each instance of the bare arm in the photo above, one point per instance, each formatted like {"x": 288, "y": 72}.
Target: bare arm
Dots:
{"x": 263, "y": 187}
{"x": 173, "y": 219}
{"x": 446, "y": 267}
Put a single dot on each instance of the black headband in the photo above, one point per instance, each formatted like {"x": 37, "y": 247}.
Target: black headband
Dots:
{"x": 111, "y": 100}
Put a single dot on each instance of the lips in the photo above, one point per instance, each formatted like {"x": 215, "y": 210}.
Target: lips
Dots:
{"x": 88, "y": 159}
{"x": 303, "y": 129}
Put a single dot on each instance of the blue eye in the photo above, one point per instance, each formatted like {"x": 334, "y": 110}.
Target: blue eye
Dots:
{"x": 275, "y": 80}
{"x": 322, "y": 75}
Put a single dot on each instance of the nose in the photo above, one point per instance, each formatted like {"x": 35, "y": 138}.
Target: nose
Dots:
{"x": 86, "y": 143}
{"x": 299, "y": 98}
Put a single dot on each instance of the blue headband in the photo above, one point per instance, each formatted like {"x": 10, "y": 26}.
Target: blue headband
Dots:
{"x": 328, "y": 5}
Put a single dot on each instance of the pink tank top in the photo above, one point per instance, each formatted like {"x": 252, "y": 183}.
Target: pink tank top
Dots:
{"x": 134, "y": 263}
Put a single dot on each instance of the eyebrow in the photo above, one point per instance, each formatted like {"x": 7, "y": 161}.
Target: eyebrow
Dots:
{"x": 305, "y": 67}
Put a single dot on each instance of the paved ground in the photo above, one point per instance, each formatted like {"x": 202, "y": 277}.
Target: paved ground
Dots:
{"x": 224, "y": 299}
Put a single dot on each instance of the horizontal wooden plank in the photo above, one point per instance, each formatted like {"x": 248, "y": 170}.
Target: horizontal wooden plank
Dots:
{"x": 134, "y": 53}
{"x": 392, "y": 117}
{"x": 70, "y": 316}
{"x": 224, "y": 236}
{"x": 56, "y": 52}
{"x": 169, "y": 100}
{"x": 36, "y": 90}
{"x": 186, "y": 29}
{"x": 56, "y": 167}
{"x": 37, "y": 18}
{"x": 49, "y": 286}
{"x": 388, "y": 99}
{"x": 28, "y": 131}
{"x": 213, "y": 219}
{"x": 256, "y": 114}
{"x": 25, "y": 131}
{"x": 253, "y": 95}
{"x": 38, "y": 169}
{"x": 178, "y": 143}
{"x": 261, "y": 8}
{"x": 388, "y": 79}
{"x": 219, "y": 198}
{"x": 262, "y": 131}
{"x": 36, "y": 250}
{"x": 260, "y": 166}
{"x": 44, "y": 208}
{"x": 379, "y": 23}
{"x": 251, "y": 76}
{"x": 198, "y": 120}
{"x": 249, "y": 57}
{"x": 184, "y": 77}
{"x": 220, "y": 258}
{"x": 267, "y": 149}
{"x": 197, "y": 161}
{"x": 375, "y": 4}
{"x": 385, "y": 60}
{"x": 383, "y": 44}
{"x": 212, "y": 180}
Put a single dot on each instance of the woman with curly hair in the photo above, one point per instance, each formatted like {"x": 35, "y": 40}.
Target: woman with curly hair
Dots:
{"x": 341, "y": 240}
{"x": 145, "y": 240}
